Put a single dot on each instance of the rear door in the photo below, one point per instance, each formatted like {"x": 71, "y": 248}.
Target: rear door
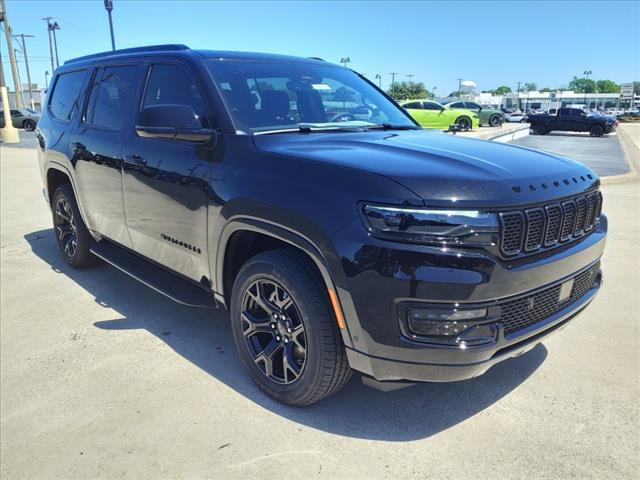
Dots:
{"x": 166, "y": 182}
{"x": 97, "y": 149}
{"x": 436, "y": 116}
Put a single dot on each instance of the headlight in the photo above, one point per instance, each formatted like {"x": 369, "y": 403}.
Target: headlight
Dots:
{"x": 431, "y": 226}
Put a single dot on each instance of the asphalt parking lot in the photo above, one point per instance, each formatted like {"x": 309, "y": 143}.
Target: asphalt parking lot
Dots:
{"x": 604, "y": 154}
{"x": 103, "y": 378}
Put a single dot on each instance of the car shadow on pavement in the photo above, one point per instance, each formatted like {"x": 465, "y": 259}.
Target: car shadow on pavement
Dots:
{"x": 204, "y": 338}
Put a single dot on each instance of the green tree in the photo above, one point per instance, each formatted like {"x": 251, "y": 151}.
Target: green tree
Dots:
{"x": 408, "y": 91}
{"x": 607, "y": 86}
{"x": 502, "y": 90}
{"x": 636, "y": 87}
{"x": 546, "y": 89}
{"x": 582, "y": 85}
{"x": 529, "y": 87}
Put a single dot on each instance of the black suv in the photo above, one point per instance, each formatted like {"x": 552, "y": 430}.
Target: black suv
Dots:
{"x": 296, "y": 194}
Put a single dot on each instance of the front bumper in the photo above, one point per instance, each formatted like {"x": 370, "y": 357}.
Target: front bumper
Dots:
{"x": 381, "y": 275}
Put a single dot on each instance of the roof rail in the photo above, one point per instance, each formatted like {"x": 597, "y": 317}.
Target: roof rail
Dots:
{"x": 150, "y": 48}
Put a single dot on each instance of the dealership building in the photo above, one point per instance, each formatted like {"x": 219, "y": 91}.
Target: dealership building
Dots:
{"x": 557, "y": 99}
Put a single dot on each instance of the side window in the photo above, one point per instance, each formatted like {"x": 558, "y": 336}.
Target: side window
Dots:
{"x": 15, "y": 113}
{"x": 431, "y": 106}
{"x": 65, "y": 95}
{"x": 414, "y": 105}
{"x": 173, "y": 84}
{"x": 472, "y": 106}
{"x": 112, "y": 97}
{"x": 457, "y": 105}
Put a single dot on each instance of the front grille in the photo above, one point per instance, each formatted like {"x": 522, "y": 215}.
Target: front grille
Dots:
{"x": 548, "y": 225}
{"x": 525, "y": 311}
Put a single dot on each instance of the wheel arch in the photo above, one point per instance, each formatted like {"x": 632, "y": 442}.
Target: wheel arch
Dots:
{"x": 56, "y": 175}
{"x": 244, "y": 237}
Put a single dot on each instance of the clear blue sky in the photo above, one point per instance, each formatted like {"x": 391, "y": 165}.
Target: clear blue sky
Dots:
{"x": 492, "y": 43}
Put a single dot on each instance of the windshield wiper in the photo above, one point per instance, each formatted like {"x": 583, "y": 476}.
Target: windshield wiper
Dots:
{"x": 389, "y": 126}
{"x": 312, "y": 129}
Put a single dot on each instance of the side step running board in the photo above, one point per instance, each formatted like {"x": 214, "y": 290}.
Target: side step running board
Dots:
{"x": 162, "y": 281}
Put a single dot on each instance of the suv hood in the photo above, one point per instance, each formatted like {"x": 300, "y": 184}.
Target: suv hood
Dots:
{"x": 442, "y": 169}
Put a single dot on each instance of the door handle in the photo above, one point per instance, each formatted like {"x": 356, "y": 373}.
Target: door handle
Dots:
{"x": 135, "y": 159}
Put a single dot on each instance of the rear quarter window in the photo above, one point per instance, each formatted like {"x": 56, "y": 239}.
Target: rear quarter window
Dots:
{"x": 65, "y": 95}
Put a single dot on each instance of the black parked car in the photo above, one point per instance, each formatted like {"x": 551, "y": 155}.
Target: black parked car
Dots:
{"x": 297, "y": 195}
{"x": 572, "y": 120}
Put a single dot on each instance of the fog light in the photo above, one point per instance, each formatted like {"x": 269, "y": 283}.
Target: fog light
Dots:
{"x": 451, "y": 326}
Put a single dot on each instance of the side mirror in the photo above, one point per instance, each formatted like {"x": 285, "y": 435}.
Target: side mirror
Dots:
{"x": 173, "y": 122}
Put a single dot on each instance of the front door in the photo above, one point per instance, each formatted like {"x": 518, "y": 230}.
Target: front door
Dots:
{"x": 166, "y": 182}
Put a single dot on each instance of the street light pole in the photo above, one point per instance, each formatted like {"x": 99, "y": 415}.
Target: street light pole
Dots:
{"x": 55, "y": 27}
{"x": 379, "y": 78}
{"x": 108, "y": 5}
{"x": 460, "y": 88}
{"x": 586, "y": 74}
{"x": 518, "y": 98}
{"x": 434, "y": 92}
{"x": 46, "y": 79}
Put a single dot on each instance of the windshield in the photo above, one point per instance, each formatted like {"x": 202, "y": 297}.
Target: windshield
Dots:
{"x": 265, "y": 96}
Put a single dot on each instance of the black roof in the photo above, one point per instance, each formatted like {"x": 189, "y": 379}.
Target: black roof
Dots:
{"x": 179, "y": 48}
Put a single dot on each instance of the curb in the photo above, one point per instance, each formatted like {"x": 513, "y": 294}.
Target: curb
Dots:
{"x": 631, "y": 155}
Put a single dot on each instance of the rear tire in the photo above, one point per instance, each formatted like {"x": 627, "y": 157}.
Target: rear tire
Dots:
{"x": 284, "y": 328}
{"x": 464, "y": 123}
{"x": 29, "y": 125}
{"x": 495, "y": 120}
{"x": 72, "y": 236}
{"x": 596, "y": 131}
{"x": 539, "y": 129}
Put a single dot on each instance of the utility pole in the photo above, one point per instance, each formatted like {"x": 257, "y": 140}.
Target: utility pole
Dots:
{"x": 9, "y": 133}
{"x": 46, "y": 79}
{"x": 15, "y": 53}
{"x": 12, "y": 57}
{"x": 345, "y": 60}
{"x": 26, "y": 62}
{"x": 434, "y": 92}
{"x": 518, "y": 97}
{"x": 48, "y": 20}
{"x": 393, "y": 79}
{"x": 108, "y": 5}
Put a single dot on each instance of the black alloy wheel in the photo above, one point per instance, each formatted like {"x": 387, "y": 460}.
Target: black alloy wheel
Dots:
{"x": 596, "y": 131}
{"x": 65, "y": 227}
{"x": 72, "y": 236}
{"x": 464, "y": 123}
{"x": 29, "y": 125}
{"x": 495, "y": 120}
{"x": 284, "y": 328}
{"x": 274, "y": 331}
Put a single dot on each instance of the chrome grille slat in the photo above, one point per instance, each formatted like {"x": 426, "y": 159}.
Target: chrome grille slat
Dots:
{"x": 526, "y": 231}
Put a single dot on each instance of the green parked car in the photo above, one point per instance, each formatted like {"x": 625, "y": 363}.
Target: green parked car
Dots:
{"x": 430, "y": 114}
{"x": 488, "y": 116}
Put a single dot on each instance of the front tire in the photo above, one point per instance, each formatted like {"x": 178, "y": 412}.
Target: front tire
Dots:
{"x": 596, "y": 131}
{"x": 29, "y": 125}
{"x": 464, "y": 123}
{"x": 72, "y": 236}
{"x": 284, "y": 328}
